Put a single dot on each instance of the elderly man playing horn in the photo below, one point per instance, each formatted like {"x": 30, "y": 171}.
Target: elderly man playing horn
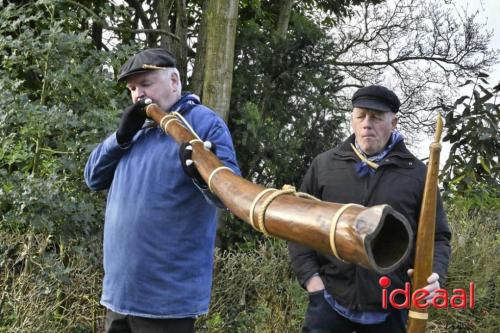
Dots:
{"x": 159, "y": 229}
{"x": 371, "y": 167}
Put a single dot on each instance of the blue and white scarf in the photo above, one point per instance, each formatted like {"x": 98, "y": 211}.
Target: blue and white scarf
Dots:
{"x": 362, "y": 167}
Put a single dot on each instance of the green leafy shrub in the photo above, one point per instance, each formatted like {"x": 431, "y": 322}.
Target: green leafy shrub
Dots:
{"x": 58, "y": 99}
{"x": 472, "y": 130}
{"x": 475, "y": 257}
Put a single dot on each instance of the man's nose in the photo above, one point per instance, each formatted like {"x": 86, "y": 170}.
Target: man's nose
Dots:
{"x": 139, "y": 94}
{"x": 367, "y": 122}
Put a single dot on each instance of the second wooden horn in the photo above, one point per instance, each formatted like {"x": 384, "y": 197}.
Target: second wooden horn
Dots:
{"x": 424, "y": 250}
{"x": 377, "y": 238}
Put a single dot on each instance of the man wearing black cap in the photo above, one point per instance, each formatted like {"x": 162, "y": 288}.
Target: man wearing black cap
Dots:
{"x": 159, "y": 229}
{"x": 371, "y": 167}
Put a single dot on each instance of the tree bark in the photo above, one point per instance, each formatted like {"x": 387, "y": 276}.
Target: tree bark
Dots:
{"x": 196, "y": 82}
{"x": 221, "y": 18}
{"x": 96, "y": 27}
{"x": 163, "y": 9}
{"x": 180, "y": 46}
{"x": 284, "y": 18}
{"x": 221, "y": 34}
{"x": 177, "y": 44}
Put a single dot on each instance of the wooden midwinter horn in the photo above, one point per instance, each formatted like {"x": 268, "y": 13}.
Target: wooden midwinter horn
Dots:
{"x": 377, "y": 238}
{"x": 424, "y": 250}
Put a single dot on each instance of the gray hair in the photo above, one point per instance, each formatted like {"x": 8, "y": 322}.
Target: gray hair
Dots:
{"x": 168, "y": 72}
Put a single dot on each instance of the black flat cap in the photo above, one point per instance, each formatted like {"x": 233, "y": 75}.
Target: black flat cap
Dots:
{"x": 146, "y": 60}
{"x": 377, "y": 98}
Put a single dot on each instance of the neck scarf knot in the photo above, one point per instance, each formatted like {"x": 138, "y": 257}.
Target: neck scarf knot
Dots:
{"x": 368, "y": 165}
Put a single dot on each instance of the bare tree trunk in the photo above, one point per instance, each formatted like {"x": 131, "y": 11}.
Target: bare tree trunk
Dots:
{"x": 221, "y": 18}
{"x": 221, "y": 34}
{"x": 180, "y": 46}
{"x": 285, "y": 10}
{"x": 96, "y": 27}
{"x": 163, "y": 9}
{"x": 196, "y": 82}
{"x": 177, "y": 44}
{"x": 284, "y": 18}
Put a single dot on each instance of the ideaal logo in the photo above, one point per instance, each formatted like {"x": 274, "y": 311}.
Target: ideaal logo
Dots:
{"x": 440, "y": 300}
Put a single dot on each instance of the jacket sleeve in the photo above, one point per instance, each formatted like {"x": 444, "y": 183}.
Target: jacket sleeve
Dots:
{"x": 220, "y": 136}
{"x": 209, "y": 196}
{"x": 101, "y": 165}
{"x": 304, "y": 259}
{"x": 442, "y": 249}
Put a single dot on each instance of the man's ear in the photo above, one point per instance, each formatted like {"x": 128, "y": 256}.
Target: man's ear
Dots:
{"x": 394, "y": 121}
{"x": 174, "y": 81}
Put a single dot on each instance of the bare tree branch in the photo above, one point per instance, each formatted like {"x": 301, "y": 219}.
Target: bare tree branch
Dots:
{"x": 419, "y": 48}
{"x": 105, "y": 26}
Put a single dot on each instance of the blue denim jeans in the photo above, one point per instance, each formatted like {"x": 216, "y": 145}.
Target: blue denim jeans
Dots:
{"x": 322, "y": 318}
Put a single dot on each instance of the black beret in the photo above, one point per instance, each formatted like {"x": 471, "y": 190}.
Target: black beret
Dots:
{"x": 146, "y": 60}
{"x": 377, "y": 98}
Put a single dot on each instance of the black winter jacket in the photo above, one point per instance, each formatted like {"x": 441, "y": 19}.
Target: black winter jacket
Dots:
{"x": 399, "y": 182}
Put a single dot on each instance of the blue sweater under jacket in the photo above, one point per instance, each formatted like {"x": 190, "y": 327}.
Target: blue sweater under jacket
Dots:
{"x": 159, "y": 230}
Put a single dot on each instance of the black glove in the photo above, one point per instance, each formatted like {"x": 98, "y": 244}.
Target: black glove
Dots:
{"x": 133, "y": 118}
{"x": 185, "y": 152}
